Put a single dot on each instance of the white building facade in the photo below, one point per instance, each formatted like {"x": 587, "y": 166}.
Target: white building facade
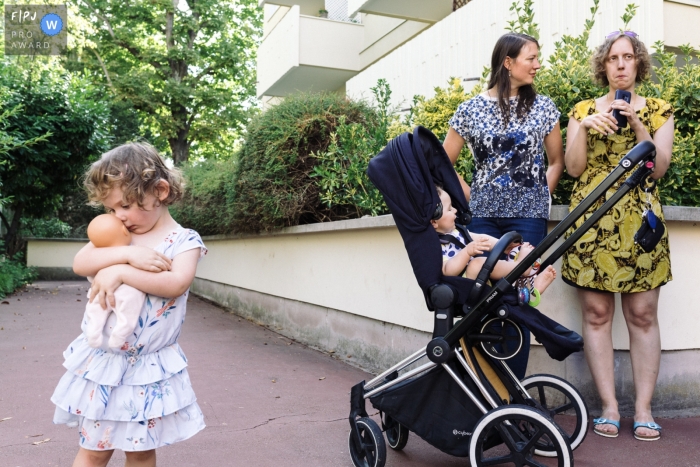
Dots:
{"x": 417, "y": 45}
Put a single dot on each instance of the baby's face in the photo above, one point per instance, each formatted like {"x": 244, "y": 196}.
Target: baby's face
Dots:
{"x": 446, "y": 223}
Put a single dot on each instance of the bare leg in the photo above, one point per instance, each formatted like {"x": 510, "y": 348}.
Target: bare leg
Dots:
{"x": 546, "y": 277}
{"x": 140, "y": 458}
{"x": 502, "y": 268}
{"x": 598, "y": 309}
{"x": 640, "y": 311}
{"x": 87, "y": 458}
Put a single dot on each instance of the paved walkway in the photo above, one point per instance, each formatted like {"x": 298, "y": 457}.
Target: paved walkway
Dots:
{"x": 267, "y": 401}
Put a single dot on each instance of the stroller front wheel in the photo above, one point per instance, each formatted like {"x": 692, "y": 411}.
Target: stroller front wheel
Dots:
{"x": 370, "y": 449}
{"x": 563, "y": 403}
{"x": 396, "y": 433}
{"x": 509, "y": 435}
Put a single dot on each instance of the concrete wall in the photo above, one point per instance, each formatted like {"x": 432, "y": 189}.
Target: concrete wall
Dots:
{"x": 681, "y": 20}
{"x": 347, "y": 287}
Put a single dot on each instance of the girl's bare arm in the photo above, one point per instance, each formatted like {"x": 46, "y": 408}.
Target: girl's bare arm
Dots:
{"x": 90, "y": 259}
{"x": 170, "y": 284}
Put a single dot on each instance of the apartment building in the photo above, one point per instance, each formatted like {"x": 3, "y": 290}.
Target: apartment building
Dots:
{"x": 347, "y": 45}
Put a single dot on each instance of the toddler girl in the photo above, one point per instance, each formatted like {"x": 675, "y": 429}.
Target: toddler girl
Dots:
{"x": 139, "y": 397}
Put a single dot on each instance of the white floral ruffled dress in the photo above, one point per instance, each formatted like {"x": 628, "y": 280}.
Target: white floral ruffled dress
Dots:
{"x": 140, "y": 397}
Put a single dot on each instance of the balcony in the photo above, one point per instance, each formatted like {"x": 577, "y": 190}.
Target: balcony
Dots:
{"x": 416, "y": 10}
{"x": 306, "y": 7}
{"x": 304, "y": 53}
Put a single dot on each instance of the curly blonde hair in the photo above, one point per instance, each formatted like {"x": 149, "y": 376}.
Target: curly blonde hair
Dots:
{"x": 641, "y": 58}
{"x": 136, "y": 168}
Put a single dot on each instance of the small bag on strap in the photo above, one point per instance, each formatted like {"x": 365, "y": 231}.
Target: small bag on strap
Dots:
{"x": 652, "y": 228}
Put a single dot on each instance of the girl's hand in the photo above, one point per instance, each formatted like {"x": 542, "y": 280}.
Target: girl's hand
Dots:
{"x": 147, "y": 259}
{"x": 105, "y": 283}
{"x": 478, "y": 246}
{"x": 602, "y": 122}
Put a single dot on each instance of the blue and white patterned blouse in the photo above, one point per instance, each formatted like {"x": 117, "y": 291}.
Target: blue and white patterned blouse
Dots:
{"x": 510, "y": 173}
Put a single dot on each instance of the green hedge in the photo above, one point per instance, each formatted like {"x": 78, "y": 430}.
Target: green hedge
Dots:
{"x": 14, "y": 274}
{"x": 302, "y": 161}
{"x": 206, "y": 204}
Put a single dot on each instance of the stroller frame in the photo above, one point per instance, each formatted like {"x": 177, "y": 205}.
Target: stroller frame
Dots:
{"x": 455, "y": 341}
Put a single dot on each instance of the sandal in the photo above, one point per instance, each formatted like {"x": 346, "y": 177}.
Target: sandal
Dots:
{"x": 651, "y": 426}
{"x": 605, "y": 421}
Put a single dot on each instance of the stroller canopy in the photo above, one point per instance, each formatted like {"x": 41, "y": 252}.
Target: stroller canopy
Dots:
{"x": 406, "y": 172}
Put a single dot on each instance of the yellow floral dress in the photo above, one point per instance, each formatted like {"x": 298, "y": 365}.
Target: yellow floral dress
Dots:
{"x": 606, "y": 258}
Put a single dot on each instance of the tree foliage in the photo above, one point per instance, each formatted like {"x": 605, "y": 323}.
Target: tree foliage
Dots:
{"x": 187, "y": 67}
{"x": 62, "y": 114}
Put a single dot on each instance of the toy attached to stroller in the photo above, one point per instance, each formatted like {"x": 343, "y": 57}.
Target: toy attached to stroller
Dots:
{"x": 457, "y": 393}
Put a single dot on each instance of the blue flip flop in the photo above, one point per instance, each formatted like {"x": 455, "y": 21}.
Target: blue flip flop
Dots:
{"x": 651, "y": 426}
{"x": 605, "y": 421}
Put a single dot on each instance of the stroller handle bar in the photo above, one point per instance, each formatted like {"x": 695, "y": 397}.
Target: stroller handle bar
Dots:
{"x": 493, "y": 257}
{"x": 642, "y": 156}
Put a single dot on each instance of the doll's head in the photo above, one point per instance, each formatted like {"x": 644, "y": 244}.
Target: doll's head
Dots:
{"x": 106, "y": 230}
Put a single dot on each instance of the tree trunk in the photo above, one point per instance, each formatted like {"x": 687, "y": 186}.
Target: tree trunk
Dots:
{"x": 180, "y": 144}
{"x": 180, "y": 147}
{"x": 13, "y": 243}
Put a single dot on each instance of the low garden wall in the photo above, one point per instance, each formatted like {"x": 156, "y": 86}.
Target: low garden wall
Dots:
{"x": 347, "y": 287}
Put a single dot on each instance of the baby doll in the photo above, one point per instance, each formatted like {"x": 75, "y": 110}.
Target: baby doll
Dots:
{"x": 103, "y": 231}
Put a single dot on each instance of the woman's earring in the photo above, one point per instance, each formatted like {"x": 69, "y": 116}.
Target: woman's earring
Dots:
{"x": 508, "y": 73}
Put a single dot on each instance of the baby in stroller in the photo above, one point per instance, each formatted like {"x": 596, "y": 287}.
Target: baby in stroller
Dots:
{"x": 462, "y": 250}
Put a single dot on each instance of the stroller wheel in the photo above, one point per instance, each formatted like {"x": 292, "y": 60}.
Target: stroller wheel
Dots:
{"x": 371, "y": 450}
{"x": 563, "y": 403}
{"x": 396, "y": 433}
{"x": 510, "y": 334}
{"x": 508, "y": 435}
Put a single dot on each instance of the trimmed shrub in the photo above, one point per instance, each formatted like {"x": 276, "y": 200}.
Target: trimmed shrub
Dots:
{"x": 273, "y": 183}
{"x": 206, "y": 204}
{"x": 341, "y": 171}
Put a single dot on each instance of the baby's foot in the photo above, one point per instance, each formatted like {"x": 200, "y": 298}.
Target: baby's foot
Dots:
{"x": 544, "y": 278}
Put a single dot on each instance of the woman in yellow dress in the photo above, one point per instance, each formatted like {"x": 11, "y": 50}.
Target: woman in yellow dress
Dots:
{"x": 606, "y": 260}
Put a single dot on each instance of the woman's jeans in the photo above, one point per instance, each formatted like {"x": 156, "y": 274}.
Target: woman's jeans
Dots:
{"x": 532, "y": 231}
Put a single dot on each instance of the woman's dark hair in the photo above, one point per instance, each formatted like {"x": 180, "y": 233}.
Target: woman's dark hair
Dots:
{"x": 510, "y": 45}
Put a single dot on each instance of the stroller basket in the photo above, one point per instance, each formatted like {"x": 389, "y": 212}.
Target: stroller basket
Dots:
{"x": 457, "y": 393}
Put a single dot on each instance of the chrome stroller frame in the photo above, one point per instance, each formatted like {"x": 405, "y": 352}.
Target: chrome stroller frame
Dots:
{"x": 523, "y": 422}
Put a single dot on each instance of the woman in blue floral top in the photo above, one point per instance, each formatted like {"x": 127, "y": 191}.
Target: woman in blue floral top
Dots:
{"x": 139, "y": 397}
{"x": 507, "y": 128}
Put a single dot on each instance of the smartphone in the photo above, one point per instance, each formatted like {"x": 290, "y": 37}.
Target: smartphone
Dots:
{"x": 621, "y": 119}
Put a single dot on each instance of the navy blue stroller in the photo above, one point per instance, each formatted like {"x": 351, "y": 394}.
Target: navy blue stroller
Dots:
{"x": 457, "y": 393}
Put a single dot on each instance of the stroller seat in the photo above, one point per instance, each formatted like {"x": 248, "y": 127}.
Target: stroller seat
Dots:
{"x": 457, "y": 392}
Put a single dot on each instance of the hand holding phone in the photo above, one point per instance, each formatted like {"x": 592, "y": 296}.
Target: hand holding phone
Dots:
{"x": 621, "y": 119}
